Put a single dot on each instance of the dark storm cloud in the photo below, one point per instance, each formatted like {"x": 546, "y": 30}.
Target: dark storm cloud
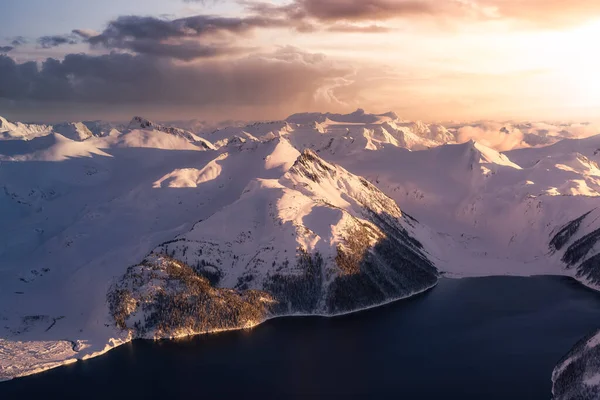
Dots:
{"x": 186, "y": 51}
{"x": 6, "y": 49}
{"x": 48, "y": 42}
{"x": 356, "y": 10}
{"x": 207, "y": 36}
{"x": 347, "y": 10}
{"x": 135, "y": 27}
{"x": 286, "y": 75}
{"x": 188, "y": 38}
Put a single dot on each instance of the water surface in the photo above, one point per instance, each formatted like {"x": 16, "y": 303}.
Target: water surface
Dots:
{"x": 480, "y": 338}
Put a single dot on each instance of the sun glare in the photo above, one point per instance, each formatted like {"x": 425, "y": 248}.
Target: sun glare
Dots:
{"x": 578, "y": 64}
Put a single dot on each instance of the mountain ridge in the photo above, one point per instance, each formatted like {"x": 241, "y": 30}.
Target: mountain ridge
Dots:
{"x": 312, "y": 272}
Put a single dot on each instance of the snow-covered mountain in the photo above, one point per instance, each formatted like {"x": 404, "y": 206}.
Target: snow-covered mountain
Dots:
{"x": 102, "y": 128}
{"x": 77, "y": 131}
{"x": 142, "y": 123}
{"x": 578, "y": 245}
{"x": 112, "y": 232}
{"x": 318, "y": 240}
{"x": 358, "y": 117}
{"x": 20, "y": 131}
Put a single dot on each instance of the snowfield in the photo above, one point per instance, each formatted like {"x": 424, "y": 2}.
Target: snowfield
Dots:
{"x": 112, "y": 232}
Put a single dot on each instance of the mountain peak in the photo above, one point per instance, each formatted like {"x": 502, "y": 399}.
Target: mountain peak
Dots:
{"x": 143, "y": 123}
{"x": 73, "y": 130}
{"x": 5, "y": 125}
{"x": 140, "y": 122}
{"x": 311, "y": 166}
{"x": 478, "y": 153}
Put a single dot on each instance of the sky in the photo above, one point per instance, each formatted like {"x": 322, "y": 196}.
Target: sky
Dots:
{"x": 453, "y": 60}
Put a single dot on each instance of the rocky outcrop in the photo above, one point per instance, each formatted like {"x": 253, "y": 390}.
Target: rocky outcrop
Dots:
{"x": 579, "y": 245}
{"x": 577, "y": 375}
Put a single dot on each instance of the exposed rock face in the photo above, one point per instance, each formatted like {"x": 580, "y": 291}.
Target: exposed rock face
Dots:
{"x": 579, "y": 241}
{"x": 565, "y": 233}
{"x": 577, "y": 375}
{"x": 317, "y": 241}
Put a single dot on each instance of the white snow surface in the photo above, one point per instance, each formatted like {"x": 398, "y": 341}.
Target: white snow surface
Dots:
{"x": 79, "y": 203}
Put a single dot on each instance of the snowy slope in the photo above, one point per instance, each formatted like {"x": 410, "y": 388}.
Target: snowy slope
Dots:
{"x": 142, "y": 123}
{"x": 102, "y": 128}
{"x": 358, "y": 116}
{"x": 81, "y": 203}
{"x": 73, "y": 130}
{"x": 316, "y": 241}
{"x": 259, "y": 131}
{"x": 356, "y": 131}
{"x": 72, "y": 224}
{"x": 493, "y": 215}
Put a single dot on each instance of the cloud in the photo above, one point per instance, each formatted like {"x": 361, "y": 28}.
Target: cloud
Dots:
{"x": 136, "y": 27}
{"x": 203, "y": 2}
{"x": 14, "y": 43}
{"x": 199, "y": 36}
{"x": 563, "y": 130}
{"x": 330, "y": 12}
{"x": 351, "y": 28}
{"x": 286, "y": 76}
{"x": 186, "y": 50}
{"x": 85, "y": 33}
{"x": 357, "y": 10}
{"x": 48, "y": 42}
{"x": 18, "y": 41}
{"x": 492, "y": 134}
{"x": 209, "y": 36}
{"x": 542, "y": 13}
{"x": 206, "y": 59}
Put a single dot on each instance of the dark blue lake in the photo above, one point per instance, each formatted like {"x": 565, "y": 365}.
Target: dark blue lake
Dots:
{"x": 481, "y": 338}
